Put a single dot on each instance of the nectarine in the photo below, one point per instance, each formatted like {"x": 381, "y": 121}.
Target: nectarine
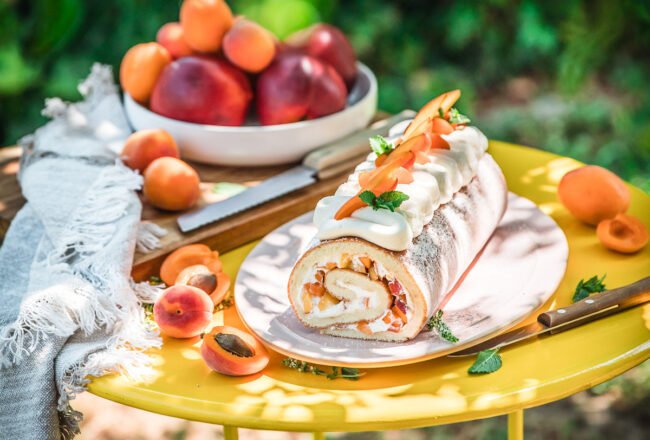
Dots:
{"x": 171, "y": 184}
{"x": 233, "y": 352}
{"x": 140, "y": 69}
{"x": 593, "y": 194}
{"x": 145, "y": 146}
{"x": 183, "y": 311}
{"x": 204, "y": 23}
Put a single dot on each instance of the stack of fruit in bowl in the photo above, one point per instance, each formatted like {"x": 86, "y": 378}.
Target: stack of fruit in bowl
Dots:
{"x": 215, "y": 69}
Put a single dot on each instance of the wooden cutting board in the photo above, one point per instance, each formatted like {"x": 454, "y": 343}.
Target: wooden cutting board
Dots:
{"x": 224, "y": 235}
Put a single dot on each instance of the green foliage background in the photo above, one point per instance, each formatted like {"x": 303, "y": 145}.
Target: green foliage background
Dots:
{"x": 567, "y": 76}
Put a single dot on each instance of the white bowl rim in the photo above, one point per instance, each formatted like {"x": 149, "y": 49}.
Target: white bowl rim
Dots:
{"x": 365, "y": 70}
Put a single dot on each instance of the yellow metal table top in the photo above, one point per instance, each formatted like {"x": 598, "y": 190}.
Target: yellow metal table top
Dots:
{"x": 429, "y": 393}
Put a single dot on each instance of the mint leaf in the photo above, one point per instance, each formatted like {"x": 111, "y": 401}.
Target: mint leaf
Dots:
{"x": 390, "y": 200}
{"x": 455, "y": 117}
{"x": 586, "y": 288}
{"x": 368, "y": 197}
{"x": 380, "y": 145}
{"x": 441, "y": 113}
{"x": 436, "y": 323}
{"x": 487, "y": 361}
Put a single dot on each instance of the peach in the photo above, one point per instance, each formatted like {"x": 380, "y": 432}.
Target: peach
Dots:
{"x": 623, "y": 233}
{"x": 204, "y": 23}
{"x": 230, "y": 351}
{"x": 145, "y": 146}
{"x": 170, "y": 36}
{"x": 593, "y": 194}
{"x": 249, "y": 46}
{"x": 183, "y": 311}
{"x": 186, "y": 256}
{"x": 216, "y": 285}
{"x": 204, "y": 90}
{"x": 171, "y": 184}
{"x": 140, "y": 69}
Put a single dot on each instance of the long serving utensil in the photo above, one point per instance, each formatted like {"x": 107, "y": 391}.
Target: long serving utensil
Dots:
{"x": 327, "y": 161}
{"x": 593, "y": 307}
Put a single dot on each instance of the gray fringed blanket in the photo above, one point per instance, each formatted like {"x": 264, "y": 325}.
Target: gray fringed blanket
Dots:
{"x": 68, "y": 307}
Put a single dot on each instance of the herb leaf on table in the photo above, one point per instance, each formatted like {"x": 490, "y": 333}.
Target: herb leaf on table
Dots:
{"x": 436, "y": 323}
{"x": 336, "y": 373}
{"x": 487, "y": 361}
{"x": 586, "y": 288}
{"x": 390, "y": 200}
{"x": 455, "y": 117}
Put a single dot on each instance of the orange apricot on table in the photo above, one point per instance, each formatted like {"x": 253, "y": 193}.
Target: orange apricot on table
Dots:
{"x": 171, "y": 184}
{"x": 593, "y": 194}
{"x": 140, "y": 69}
{"x": 249, "y": 46}
{"x": 230, "y": 351}
{"x": 145, "y": 146}
{"x": 186, "y": 256}
{"x": 204, "y": 23}
{"x": 170, "y": 35}
{"x": 183, "y": 311}
{"x": 623, "y": 233}
{"x": 216, "y": 285}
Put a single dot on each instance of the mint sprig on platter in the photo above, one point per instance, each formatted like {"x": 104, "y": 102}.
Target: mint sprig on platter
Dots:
{"x": 380, "y": 145}
{"x": 586, "y": 288}
{"x": 336, "y": 373}
{"x": 487, "y": 361}
{"x": 390, "y": 200}
{"x": 436, "y": 323}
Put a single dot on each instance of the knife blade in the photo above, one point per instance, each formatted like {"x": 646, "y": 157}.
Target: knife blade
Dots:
{"x": 592, "y": 308}
{"x": 326, "y": 161}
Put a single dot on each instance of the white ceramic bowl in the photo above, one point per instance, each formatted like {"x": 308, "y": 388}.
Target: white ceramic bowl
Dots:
{"x": 255, "y": 145}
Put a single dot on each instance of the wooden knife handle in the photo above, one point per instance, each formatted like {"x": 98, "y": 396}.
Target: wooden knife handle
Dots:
{"x": 598, "y": 305}
{"x": 351, "y": 147}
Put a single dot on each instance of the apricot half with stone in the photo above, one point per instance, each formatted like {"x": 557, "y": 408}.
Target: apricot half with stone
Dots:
{"x": 230, "y": 351}
{"x": 200, "y": 276}
{"x": 188, "y": 256}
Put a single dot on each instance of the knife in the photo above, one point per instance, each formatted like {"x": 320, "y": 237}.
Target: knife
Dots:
{"x": 593, "y": 307}
{"x": 327, "y": 161}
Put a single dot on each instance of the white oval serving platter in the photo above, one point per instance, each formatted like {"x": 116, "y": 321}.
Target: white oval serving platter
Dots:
{"x": 256, "y": 145}
{"x": 517, "y": 272}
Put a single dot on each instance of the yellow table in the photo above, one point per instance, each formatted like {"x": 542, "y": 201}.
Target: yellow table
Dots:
{"x": 429, "y": 393}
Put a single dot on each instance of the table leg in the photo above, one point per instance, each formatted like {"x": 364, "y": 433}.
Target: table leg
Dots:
{"x": 319, "y": 436}
{"x": 516, "y": 425}
{"x": 230, "y": 432}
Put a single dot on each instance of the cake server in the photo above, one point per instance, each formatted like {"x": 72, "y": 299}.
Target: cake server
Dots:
{"x": 593, "y": 307}
{"x": 327, "y": 161}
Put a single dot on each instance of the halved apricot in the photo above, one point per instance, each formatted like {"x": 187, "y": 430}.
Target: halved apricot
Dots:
{"x": 200, "y": 276}
{"x": 186, "y": 256}
{"x": 623, "y": 233}
{"x": 230, "y": 351}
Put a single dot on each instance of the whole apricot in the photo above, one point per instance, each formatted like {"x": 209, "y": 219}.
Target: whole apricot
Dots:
{"x": 249, "y": 46}
{"x": 170, "y": 35}
{"x": 183, "y": 311}
{"x": 186, "y": 256}
{"x": 145, "y": 146}
{"x": 205, "y": 22}
{"x": 230, "y": 351}
{"x": 593, "y": 194}
{"x": 140, "y": 69}
{"x": 623, "y": 233}
{"x": 171, "y": 184}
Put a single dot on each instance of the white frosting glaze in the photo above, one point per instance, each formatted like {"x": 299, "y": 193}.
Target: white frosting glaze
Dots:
{"x": 434, "y": 184}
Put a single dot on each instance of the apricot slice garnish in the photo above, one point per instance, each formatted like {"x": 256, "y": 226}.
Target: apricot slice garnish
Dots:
{"x": 186, "y": 256}
{"x": 233, "y": 352}
{"x": 623, "y": 233}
